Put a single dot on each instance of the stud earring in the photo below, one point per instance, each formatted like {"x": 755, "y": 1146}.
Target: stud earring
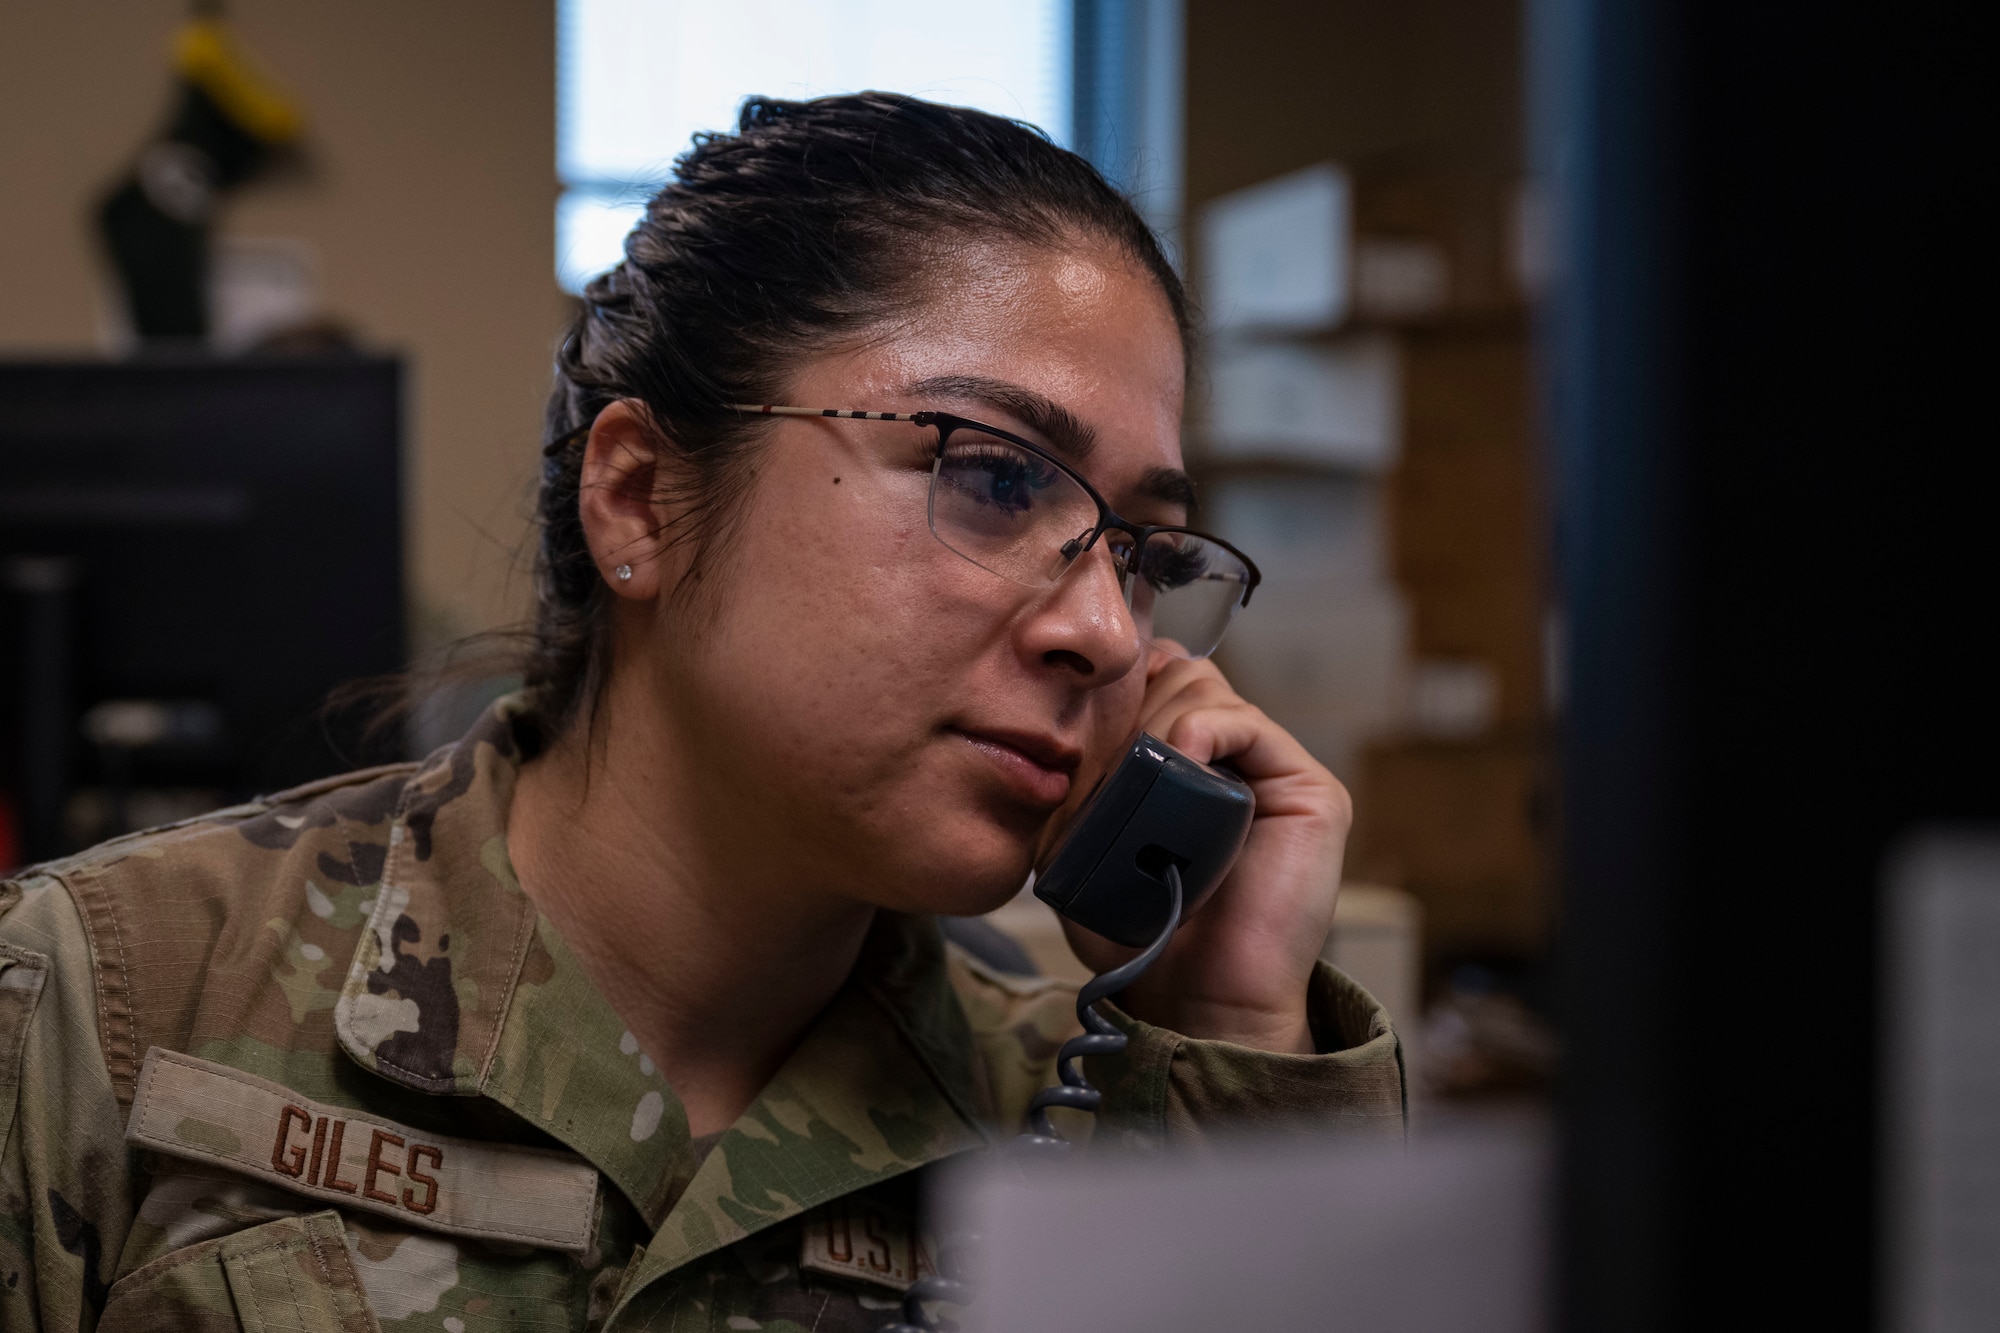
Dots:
{"x": 624, "y": 573}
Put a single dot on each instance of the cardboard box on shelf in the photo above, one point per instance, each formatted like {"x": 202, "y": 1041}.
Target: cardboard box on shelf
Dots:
{"x": 1445, "y": 413}
{"x": 1275, "y": 256}
{"x": 1465, "y": 493}
{"x": 1325, "y": 246}
{"x": 1301, "y": 525}
{"x": 1465, "y": 827}
{"x": 1452, "y": 532}
{"x": 1452, "y": 698}
{"x": 1321, "y": 647}
{"x": 1496, "y": 624}
{"x": 1326, "y": 661}
{"x": 1436, "y": 245}
{"x": 1377, "y": 938}
{"x": 1463, "y": 519}
{"x": 1464, "y": 511}
{"x": 1469, "y": 389}
{"x": 1336, "y": 403}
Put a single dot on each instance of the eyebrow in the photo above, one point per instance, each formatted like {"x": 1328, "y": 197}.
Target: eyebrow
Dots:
{"x": 1048, "y": 418}
{"x": 1065, "y": 431}
{"x": 1169, "y": 485}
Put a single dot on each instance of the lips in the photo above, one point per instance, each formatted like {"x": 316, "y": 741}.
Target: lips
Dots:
{"x": 1034, "y": 766}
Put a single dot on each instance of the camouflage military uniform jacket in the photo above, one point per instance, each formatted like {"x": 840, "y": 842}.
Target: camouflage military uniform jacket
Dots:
{"x": 316, "y": 1063}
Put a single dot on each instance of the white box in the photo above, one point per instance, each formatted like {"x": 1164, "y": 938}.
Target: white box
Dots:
{"x": 1303, "y": 528}
{"x": 1275, "y": 256}
{"x": 1377, "y": 939}
{"x": 1322, "y": 645}
{"x": 1338, "y": 403}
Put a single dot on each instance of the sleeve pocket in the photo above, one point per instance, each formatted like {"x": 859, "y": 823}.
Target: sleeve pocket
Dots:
{"x": 21, "y": 977}
{"x": 295, "y": 1276}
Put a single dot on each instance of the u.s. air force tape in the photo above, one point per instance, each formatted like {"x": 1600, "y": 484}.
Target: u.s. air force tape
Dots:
{"x": 208, "y": 1112}
{"x": 855, "y": 1237}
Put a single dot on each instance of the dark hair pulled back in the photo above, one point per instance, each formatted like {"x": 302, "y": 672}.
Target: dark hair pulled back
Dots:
{"x": 814, "y": 222}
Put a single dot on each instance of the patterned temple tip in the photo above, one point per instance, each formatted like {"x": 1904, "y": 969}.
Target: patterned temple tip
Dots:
{"x": 768, "y": 410}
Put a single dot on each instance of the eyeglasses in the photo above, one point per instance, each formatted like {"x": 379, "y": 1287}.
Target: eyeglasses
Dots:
{"x": 1016, "y": 510}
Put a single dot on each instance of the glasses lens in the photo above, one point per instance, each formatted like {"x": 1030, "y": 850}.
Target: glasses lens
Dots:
{"x": 1184, "y": 591}
{"x": 1008, "y": 509}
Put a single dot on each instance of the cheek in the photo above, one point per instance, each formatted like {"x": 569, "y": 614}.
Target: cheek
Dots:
{"x": 1113, "y": 722}
{"x": 835, "y": 638}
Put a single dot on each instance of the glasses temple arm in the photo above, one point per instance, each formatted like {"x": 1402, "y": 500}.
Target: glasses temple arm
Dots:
{"x": 844, "y": 413}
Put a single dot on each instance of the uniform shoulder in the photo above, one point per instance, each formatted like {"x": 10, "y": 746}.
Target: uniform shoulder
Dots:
{"x": 994, "y": 1000}
{"x": 239, "y": 836}
{"x": 27, "y": 923}
{"x": 182, "y": 921}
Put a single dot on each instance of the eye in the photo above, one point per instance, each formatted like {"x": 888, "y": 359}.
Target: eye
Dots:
{"x": 1001, "y": 477}
{"x": 1168, "y": 566}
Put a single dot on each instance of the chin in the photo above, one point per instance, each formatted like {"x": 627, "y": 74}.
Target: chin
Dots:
{"x": 942, "y": 841}
{"x": 965, "y": 876}
{"x": 963, "y": 901}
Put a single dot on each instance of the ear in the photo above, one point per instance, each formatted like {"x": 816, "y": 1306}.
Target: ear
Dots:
{"x": 618, "y": 499}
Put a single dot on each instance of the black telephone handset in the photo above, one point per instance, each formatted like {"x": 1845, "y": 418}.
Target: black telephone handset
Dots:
{"x": 1147, "y": 846}
{"x": 1155, "y": 809}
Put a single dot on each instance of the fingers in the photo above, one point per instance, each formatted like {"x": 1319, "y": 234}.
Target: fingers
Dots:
{"x": 1192, "y": 707}
{"x": 1174, "y": 685}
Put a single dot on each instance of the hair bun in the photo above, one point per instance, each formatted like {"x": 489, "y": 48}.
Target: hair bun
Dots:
{"x": 759, "y": 111}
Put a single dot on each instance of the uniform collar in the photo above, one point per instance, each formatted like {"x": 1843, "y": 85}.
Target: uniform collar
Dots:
{"x": 460, "y": 987}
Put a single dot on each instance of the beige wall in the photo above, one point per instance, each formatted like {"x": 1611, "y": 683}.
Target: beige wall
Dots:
{"x": 430, "y": 204}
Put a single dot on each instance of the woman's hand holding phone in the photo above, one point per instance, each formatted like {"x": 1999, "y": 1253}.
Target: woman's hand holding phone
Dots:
{"x": 1238, "y": 970}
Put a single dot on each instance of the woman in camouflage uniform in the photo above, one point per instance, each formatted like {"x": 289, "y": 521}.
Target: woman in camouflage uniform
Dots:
{"x": 629, "y": 1009}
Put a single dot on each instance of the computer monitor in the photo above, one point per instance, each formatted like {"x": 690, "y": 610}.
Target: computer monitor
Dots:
{"x": 193, "y": 552}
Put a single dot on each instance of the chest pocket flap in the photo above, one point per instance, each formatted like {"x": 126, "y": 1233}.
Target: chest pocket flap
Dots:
{"x": 294, "y": 1276}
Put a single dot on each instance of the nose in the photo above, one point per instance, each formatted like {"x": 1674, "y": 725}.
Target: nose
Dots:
{"x": 1081, "y": 625}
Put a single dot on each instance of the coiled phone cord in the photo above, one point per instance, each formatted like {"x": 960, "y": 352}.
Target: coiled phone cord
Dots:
{"x": 1099, "y": 1037}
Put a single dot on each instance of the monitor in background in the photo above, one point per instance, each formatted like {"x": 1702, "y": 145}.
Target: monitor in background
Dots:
{"x": 1447, "y": 1233}
{"x": 193, "y": 552}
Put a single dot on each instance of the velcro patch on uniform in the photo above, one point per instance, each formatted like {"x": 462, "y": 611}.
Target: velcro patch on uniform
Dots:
{"x": 208, "y": 1112}
{"x": 852, "y": 1237}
